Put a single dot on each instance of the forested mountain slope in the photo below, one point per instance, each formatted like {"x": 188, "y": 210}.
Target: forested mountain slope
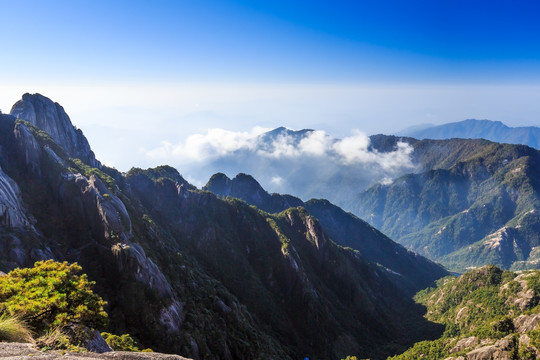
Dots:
{"x": 476, "y": 203}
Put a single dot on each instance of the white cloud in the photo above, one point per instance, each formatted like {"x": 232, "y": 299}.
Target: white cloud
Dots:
{"x": 277, "y": 180}
{"x": 219, "y": 143}
{"x": 282, "y": 146}
{"x": 301, "y": 164}
{"x": 386, "y": 181}
{"x": 354, "y": 149}
{"x": 317, "y": 143}
{"x": 201, "y": 147}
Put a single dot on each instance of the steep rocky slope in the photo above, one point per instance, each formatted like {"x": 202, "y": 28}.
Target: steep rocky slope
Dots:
{"x": 412, "y": 272}
{"x": 50, "y": 117}
{"x": 476, "y": 203}
{"x": 187, "y": 272}
{"x": 487, "y": 314}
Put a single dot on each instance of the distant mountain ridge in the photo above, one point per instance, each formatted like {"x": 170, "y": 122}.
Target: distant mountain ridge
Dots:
{"x": 474, "y": 203}
{"x": 289, "y": 161}
{"x": 479, "y": 129}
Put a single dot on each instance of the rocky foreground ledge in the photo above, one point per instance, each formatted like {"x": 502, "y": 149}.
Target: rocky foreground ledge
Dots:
{"x": 24, "y": 351}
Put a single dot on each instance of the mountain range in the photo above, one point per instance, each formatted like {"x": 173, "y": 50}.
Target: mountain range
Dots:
{"x": 476, "y": 202}
{"x": 461, "y": 202}
{"x": 209, "y": 277}
{"x": 478, "y": 129}
{"x": 231, "y": 271}
{"x": 289, "y": 161}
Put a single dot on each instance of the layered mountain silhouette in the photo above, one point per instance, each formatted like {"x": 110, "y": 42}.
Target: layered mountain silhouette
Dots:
{"x": 204, "y": 276}
{"x": 461, "y": 202}
{"x": 409, "y": 270}
{"x": 478, "y": 129}
{"x": 307, "y": 163}
{"x": 474, "y": 203}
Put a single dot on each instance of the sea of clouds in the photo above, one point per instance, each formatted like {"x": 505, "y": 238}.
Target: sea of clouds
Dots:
{"x": 306, "y": 163}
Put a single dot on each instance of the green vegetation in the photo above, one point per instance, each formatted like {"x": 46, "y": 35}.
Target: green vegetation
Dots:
{"x": 476, "y": 205}
{"x": 120, "y": 343}
{"x": 51, "y": 294}
{"x": 43, "y": 138}
{"x": 282, "y": 238}
{"x": 480, "y": 305}
{"x": 58, "y": 304}
{"x": 80, "y": 167}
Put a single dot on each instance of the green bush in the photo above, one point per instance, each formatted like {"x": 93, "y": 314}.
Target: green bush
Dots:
{"x": 50, "y": 295}
{"x": 121, "y": 343}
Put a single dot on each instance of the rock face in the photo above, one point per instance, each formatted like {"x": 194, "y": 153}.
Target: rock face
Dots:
{"x": 12, "y": 211}
{"x": 41, "y": 112}
{"x": 22, "y": 351}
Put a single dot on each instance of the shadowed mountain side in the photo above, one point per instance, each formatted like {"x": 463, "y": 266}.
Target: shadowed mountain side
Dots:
{"x": 414, "y": 272}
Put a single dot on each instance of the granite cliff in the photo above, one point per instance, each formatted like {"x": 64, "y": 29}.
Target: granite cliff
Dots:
{"x": 50, "y": 117}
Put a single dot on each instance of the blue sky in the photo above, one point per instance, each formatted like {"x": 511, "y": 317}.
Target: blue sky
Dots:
{"x": 273, "y": 41}
{"x": 154, "y": 71}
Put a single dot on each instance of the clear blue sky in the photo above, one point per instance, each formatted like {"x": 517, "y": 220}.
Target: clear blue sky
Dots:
{"x": 277, "y": 41}
{"x": 338, "y": 65}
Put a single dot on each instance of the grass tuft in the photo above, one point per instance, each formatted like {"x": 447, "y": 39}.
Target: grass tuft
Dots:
{"x": 14, "y": 329}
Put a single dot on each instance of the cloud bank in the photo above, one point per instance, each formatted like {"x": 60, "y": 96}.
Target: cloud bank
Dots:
{"x": 306, "y": 163}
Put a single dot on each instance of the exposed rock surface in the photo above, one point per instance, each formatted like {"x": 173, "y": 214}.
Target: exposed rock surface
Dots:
{"x": 498, "y": 351}
{"x": 524, "y": 323}
{"x": 465, "y": 343}
{"x": 12, "y": 211}
{"x": 51, "y": 117}
{"x": 24, "y": 351}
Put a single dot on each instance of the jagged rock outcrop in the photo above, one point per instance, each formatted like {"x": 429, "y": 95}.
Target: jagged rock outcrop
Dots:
{"x": 245, "y": 187}
{"x": 43, "y": 113}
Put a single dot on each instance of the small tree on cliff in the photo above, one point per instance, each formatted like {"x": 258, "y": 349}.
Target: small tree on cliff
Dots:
{"x": 51, "y": 294}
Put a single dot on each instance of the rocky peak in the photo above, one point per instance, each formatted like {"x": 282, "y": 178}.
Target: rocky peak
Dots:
{"x": 49, "y": 116}
{"x": 219, "y": 184}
